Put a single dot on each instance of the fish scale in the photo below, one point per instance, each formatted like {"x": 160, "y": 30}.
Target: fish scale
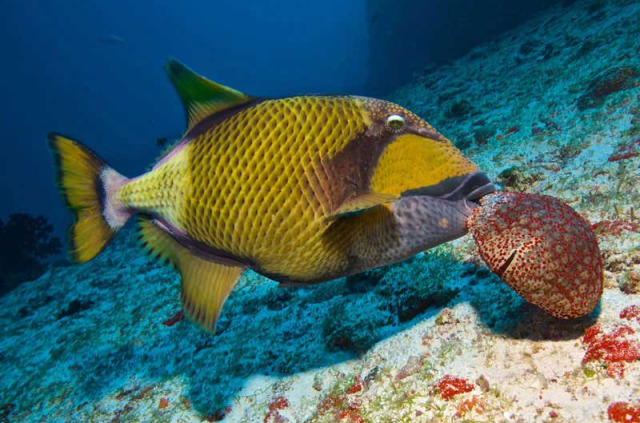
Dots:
{"x": 162, "y": 191}
{"x": 310, "y": 188}
{"x": 261, "y": 193}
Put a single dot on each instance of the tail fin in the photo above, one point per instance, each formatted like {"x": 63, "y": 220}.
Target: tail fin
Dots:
{"x": 89, "y": 186}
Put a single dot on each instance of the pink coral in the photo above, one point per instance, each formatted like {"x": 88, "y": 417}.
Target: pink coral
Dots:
{"x": 542, "y": 249}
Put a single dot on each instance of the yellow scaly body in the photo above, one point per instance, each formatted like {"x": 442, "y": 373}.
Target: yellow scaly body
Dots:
{"x": 260, "y": 185}
{"x": 301, "y": 189}
{"x": 258, "y": 191}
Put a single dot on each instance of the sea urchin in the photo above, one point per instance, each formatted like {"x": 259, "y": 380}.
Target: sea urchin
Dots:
{"x": 542, "y": 249}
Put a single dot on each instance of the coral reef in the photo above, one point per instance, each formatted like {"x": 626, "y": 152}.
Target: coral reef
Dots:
{"x": 25, "y": 241}
{"x": 375, "y": 347}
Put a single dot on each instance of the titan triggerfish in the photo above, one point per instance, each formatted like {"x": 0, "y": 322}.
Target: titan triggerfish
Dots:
{"x": 302, "y": 189}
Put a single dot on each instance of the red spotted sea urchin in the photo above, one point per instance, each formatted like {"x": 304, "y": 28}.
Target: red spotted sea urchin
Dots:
{"x": 541, "y": 248}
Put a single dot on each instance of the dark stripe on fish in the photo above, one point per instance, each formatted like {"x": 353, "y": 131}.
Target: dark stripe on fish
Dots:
{"x": 353, "y": 167}
{"x": 202, "y": 250}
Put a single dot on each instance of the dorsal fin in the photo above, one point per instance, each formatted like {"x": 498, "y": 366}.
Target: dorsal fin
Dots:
{"x": 200, "y": 96}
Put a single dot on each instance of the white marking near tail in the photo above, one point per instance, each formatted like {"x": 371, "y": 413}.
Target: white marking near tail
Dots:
{"x": 114, "y": 212}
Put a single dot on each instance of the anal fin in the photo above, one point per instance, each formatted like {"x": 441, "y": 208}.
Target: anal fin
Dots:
{"x": 205, "y": 284}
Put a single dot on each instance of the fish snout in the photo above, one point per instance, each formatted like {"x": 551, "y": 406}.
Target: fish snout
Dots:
{"x": 470, "y": 187}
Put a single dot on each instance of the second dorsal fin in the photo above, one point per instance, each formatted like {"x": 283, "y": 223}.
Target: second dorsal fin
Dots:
{"x": 200, "y": 96}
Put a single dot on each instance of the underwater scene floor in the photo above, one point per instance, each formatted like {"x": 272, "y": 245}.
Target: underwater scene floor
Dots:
{"x": 552, "y": 107}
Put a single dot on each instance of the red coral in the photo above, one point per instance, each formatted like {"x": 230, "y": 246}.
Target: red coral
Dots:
{"x": 356, "y": 386}
{"x": 614, "y": 227}
{"x": 469, "y": 404}
{"x": 612, "y": 348}
{"x": 623, "y": 412}
{"x": 353, "y": 414}
{"x": 630, "y": 313}
{"x": 340, "y": 407}
{"x": 542, "y": 249}
{"x": 175, "y": 319}
{"x": 279, "y": 403}
{"x": 616, "y": 370}
{"x": 331, "y": 402}
{"x": 450, "y": 386}
{"x": 626, "y": 151}
{"x": 591, "y": 333}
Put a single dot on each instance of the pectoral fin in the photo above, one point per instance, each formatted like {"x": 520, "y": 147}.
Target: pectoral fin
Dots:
{"x": 363, "y": 202}
{"x": 205, "y": 284}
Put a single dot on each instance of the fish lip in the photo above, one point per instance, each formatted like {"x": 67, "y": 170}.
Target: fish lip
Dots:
{"x": 471, "y": 187}
{"x": 476, "y": 194}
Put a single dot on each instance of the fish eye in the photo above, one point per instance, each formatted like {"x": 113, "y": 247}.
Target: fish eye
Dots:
{"x": 395, "y": 122}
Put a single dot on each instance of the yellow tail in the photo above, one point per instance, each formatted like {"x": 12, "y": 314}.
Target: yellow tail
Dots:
{"x": 88, "y": 185}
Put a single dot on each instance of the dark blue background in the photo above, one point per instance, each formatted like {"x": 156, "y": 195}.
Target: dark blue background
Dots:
{"x": 93, "y": 69}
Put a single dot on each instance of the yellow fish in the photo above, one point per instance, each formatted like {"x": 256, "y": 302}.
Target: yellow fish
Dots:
{"x": 301, "y": 189}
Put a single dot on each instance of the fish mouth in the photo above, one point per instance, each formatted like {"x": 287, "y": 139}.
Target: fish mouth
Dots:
{"x": 470, "y": 187}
